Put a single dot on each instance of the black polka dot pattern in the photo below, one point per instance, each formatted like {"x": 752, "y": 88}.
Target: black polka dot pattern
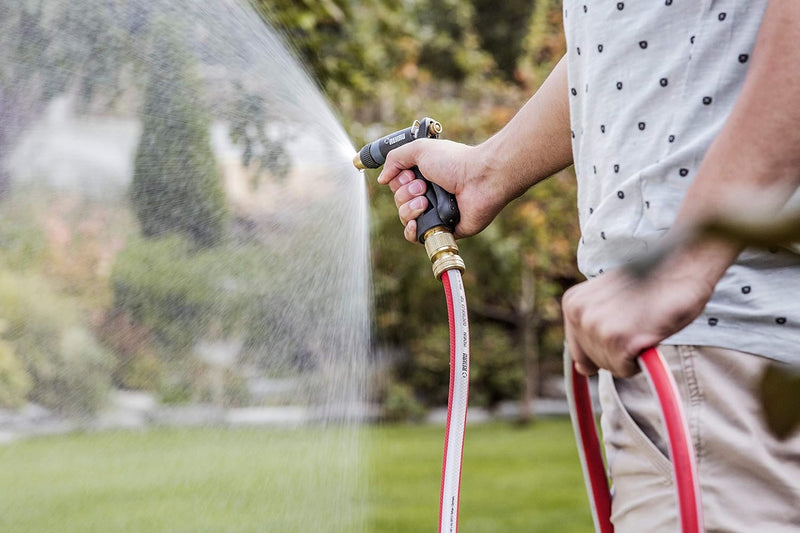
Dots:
{"x": 639, "y": 127}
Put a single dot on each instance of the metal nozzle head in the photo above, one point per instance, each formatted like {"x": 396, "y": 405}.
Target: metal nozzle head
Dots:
{"x": 435, "y": 128}
{"x": 358, "y": 163}
{"x": 442, "y": 251}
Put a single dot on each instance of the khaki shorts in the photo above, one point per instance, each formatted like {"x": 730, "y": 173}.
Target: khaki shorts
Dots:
{"x": 750, "y": 481}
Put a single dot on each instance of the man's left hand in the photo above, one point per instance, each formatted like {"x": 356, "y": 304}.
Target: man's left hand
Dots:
{"x": 611, "y": 319}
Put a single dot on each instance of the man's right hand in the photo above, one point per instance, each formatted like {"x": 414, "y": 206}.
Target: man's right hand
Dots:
{"x": 458, "y": 168}
{"x": 533, "y": 145}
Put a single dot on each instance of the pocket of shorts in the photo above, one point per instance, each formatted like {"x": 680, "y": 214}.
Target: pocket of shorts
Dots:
{"x": 619, "y": 418}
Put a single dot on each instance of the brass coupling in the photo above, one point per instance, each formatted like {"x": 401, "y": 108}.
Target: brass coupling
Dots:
{"x": 442, "y": 251}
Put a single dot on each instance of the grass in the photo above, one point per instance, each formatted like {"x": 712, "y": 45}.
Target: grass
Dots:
{"x": 515, "y": 479}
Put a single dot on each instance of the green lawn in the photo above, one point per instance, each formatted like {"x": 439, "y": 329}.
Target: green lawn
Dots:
{"x": 514, "y": 480}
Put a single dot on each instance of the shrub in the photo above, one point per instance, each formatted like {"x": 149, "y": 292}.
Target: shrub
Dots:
{"x": 14, "y": 379}
{"x": 70, "y": 371}
{"x": 136, "y": 364}
{"x": 400, "y": 404}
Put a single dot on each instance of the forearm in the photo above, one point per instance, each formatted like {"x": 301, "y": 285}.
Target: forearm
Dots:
{"x": 536, "y": 143}
{"x": 756, "y": 156}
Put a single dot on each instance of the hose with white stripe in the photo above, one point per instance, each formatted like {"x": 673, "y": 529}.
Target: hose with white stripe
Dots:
{"x": 456, "y": 401}
{"x": 681, "y": 448}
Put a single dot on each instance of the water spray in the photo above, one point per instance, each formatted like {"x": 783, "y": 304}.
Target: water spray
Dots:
{"x": 435, "y": 230}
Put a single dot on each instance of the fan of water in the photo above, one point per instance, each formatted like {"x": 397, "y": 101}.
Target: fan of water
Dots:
{"x": 183, "y": 240}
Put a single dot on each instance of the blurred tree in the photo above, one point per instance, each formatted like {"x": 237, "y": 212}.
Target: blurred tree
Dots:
{"x": 248, "y": 128}
{"x": 176, "y": 185}
{"x": 502, "y": 28}
{"x": 45, "y": 47}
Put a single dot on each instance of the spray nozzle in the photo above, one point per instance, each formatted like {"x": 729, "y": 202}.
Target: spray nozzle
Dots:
{"x": 442, "y": 215}
{"x": 373, "y": 155}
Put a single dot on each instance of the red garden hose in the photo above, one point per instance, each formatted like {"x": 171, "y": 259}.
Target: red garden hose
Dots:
{"x": 681, "y": 448}
{"x": 456, "y": 401}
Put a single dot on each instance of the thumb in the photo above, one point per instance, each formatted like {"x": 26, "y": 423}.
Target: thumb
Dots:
{"x": 402, "y": 158}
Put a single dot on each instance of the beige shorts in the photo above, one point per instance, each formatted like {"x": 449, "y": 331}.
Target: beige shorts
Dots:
{"x": 750, "y": 481}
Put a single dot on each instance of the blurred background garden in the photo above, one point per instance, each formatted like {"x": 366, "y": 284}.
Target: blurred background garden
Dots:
{"x": 195, "y": 334}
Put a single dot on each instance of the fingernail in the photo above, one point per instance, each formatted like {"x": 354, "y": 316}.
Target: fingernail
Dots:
{"x": 415, "y": 187}
{"x": 403, "y": 178}
{"x": 417, "y": 203}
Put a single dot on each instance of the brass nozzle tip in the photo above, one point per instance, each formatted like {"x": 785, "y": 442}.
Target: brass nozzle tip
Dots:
{"x": 442, "y": 251}
{"x": 435, "y": 127}
{"x": 357, "y": 162}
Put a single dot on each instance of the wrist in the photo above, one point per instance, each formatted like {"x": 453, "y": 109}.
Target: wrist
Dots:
{"x": 701, "y": 263}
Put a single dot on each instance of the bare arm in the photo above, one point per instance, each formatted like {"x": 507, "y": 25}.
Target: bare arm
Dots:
{"x": 532, "y": 146}
{"x": 609, "y": 320}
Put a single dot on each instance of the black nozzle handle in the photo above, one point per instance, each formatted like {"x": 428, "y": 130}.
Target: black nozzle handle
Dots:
{"x": 442, "y": 209}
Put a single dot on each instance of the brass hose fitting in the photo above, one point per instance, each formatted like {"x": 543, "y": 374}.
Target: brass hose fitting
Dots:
{"x": 442, "y": 251}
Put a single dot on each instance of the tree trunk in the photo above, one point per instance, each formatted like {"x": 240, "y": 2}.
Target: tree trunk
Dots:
{"x": 529, "y": 342}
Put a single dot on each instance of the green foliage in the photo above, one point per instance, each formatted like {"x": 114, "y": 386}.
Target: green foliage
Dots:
{"x": 136, "y": 361}
{"x": 176, "y": 186}
{"x": 171, "y": 290}
{"x": 70, "y": 371}
{"x": 248, "y": 127}
{"x": 500, "y": 31}
{"x": 15, "y": 382}
{"x": 400, "y": 404}
{"x": 168, "y": 297}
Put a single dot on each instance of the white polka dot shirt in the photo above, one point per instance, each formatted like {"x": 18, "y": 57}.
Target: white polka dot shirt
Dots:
{"x": 651, "y": 83}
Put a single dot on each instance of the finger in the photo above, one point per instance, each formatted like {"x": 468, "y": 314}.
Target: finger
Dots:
{"x": 401, "y": 179}
{"x": 586, "y": 369}
{"x": 411, "y": 210}
{"x": 410, "y": 231}
{"x": 583, "y": 364}
{"x": 408, "y": 192}
{"x": 400, "y": 159}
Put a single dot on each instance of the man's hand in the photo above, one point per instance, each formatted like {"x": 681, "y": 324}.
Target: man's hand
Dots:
{"x": 611, "y": 319}
{"x": 535, "y": 144}
{"x": 458, "y": 168}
